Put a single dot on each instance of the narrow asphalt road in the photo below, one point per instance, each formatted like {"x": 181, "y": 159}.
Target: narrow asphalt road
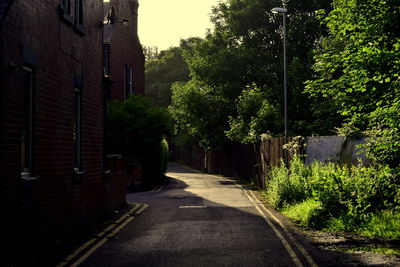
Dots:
{"x": 199, "y": 220}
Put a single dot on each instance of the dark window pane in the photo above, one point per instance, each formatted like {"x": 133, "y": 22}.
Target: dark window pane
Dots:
{"x": 77, "y": 129}
{"x": 27, "y": 131}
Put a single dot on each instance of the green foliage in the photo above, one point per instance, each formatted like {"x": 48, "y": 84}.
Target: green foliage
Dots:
{"x": 384, "y": 224}
{"x": 288, "y": 185}
{"x": 164, "y": 68}
{"x": 384, "y": 136}
{"x": 198, "y": 111}
{"x": 306, "y": 213}
{"x": 354, "y": 189}
{"x": 295, "y": 146}
{"x": 379, "y": 250}
{"x": 245, "y": 48}
{"x": 135, "y": 130}
{"x": 255, "y": 117}
{"x": 164, "y": 155}
{"x": 150, "y": 53}
{"x": 341, "y": 198}
{"x": 358, "y": 68}
{"x": 278, "y": 189}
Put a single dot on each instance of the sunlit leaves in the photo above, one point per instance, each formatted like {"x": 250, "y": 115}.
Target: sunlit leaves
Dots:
{"x": 358, "y": 70}
{"x": 256, "y": 116}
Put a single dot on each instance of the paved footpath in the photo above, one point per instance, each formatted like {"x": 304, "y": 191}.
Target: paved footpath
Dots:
{"x": 199, "y": 220}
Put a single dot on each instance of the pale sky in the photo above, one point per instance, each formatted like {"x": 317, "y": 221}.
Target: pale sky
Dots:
{"x": 162, "y": 23}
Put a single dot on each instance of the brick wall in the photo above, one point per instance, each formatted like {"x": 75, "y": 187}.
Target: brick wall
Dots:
{"x": 55, "y": 203}
{"x": 126, "y": 49}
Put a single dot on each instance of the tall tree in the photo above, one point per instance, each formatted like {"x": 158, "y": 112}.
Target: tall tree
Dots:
{"x": 197, "y": 110}
{"x": 245, "y": 48}
{"x": 358, "y": 70}
{"x": 164, "y": 68}
{"x": 151, "y": 53}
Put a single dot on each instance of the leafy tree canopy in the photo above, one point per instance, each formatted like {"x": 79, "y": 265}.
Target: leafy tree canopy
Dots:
{"x": 358, "y": 69}
{"x": 134, "y": 126}
{"x": 164, "y": 68}
{"x": 358, "y": 62}
{"x": 255, "y": 117}
{"x": 245, "y": 48}
{"x": 199, "y": 112}
{"x": 151, "y": 53}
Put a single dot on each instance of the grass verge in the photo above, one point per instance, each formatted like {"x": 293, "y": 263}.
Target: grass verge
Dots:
{"x": 359, "y": 199}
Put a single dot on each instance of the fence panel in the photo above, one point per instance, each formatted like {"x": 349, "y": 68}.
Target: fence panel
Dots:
{"x": 253, "y": 163}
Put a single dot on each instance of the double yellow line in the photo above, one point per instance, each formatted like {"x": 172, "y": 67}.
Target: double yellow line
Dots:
{"x": 268, "y": 215}
{"x": 87, "y": 249}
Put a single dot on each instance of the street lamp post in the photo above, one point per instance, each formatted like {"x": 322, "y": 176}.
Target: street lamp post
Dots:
{"x": 283, "y": 11}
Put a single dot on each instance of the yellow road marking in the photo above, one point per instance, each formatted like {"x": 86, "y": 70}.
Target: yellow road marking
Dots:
{"x": 128, "y": 217}
{"x": 252, "y": 198}
{"x": 285, "y": 243}
{"x": 192, "y": 207}
{"x": 99, "y": 244}
{"x": 302, "y": 250}
{"x": 142, "y": 209}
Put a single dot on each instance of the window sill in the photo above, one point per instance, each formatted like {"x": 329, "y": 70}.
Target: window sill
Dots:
{"x": 108, "y": 78}
{"x": 106, "y": 175}
{"x": 79, "y": 28}
{"x": 78, "y": 175}
{"x": 29, "y": 178}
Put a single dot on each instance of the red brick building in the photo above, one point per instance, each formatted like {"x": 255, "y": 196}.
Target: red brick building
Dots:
{"x": 52, "y": 178}
{"x": 123, "y": 54}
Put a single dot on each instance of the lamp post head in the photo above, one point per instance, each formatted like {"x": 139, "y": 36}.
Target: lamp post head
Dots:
{"x": 277, "y": 10}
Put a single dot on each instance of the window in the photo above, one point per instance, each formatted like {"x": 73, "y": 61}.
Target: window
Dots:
{"x": 77, "y": 131}
{"x": 28, "y": 127}
{"x": 65, "y": 11}
{"x": 128, "y": 80}
{"x": 132, "y": 84}
{"x": 71, "y": 12}
{"x": 106, "y": 60}
{"x": 66, "y": 5}
{"x": 78, "y": 12}
{"x": 78, "y": 25}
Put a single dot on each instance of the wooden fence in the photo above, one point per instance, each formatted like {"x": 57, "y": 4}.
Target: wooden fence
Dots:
{"x": 253, "y": 162}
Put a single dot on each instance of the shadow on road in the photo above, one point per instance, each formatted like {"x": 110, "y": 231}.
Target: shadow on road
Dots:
{"x": 182, "y": 228}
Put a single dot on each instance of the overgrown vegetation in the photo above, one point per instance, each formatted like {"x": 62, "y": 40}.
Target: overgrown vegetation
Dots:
{"x": 164, "y": 68}
{"x": 138, "y": 131}
{"x": 343, "y": 70}
{"x": 362, "y": 199}
{"x": 357, "y": 70}
{"x": 237, "y": 72}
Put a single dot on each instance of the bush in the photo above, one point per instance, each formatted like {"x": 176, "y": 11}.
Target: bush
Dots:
{"x": 354, "y": 189}
{"x": 307, "y": 213}
{"x": 334, "y": 197}
{"x": 287, "y": 186}
{"x": 385, "y": 224}
{"x": 327, "y": 186}
{"x": 164, "y": 155}
{"x": 136, "y": 130}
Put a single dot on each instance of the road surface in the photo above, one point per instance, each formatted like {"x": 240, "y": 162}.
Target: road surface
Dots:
{"x": 200, "y": 220}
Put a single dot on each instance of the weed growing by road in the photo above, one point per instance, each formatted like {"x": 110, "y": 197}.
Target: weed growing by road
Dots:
{"x": 306, "y": 213}
{"x": 337, "y": 197}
